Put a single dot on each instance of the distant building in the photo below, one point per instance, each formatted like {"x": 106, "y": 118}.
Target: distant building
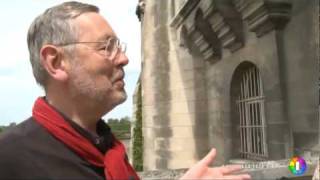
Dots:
{"x": 238, "y": 75}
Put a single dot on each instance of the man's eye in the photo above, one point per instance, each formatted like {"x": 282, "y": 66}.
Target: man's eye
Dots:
{"x": 102, "y": 48}
{"x": 109, "y": 48}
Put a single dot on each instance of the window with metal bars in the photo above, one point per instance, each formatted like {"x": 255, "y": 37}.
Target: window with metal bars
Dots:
{"x": 250, "y": 105}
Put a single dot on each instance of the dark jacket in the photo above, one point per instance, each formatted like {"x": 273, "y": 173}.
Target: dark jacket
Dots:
{"x": 28, "y": 151}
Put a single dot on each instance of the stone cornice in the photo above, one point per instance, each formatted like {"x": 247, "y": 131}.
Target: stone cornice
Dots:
{"x": 207, "y": 7}
{"x": 140, "y": 9}
{"x": 183, "y": 13}
{"x": 201, "y": 43}
{"x": 264, "y": 15}
{"x": 211, "y": 25}
{"x": 221, "y": 26}
{"x": 224, "y": 32}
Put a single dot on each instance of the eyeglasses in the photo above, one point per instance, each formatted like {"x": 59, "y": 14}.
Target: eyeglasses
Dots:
{"x": 110, "y": 48}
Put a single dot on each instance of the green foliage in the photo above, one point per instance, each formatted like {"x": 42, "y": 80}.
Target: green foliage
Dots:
{"x": 137, "y": 136}
{"x": 120, "y": 128}
{"x": 3, "y": 128}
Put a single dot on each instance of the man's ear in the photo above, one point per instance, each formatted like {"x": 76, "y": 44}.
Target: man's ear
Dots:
{"x": 52, "y": 60}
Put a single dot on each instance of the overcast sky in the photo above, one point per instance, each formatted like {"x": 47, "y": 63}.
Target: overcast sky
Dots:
{"x": 18, "y": 89}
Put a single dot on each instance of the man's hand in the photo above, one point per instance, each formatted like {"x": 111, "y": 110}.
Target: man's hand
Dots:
{"x": 201, "y": 170}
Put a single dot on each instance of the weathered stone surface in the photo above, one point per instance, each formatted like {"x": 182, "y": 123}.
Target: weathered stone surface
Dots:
{"x": 316, "y": 175}
{"x": 187, "y": 94}
{"x": 164, "y": 174}
{"x": 271, "y": 170}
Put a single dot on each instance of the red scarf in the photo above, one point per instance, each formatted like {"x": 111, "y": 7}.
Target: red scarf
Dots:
{"x": 114, "y": 162}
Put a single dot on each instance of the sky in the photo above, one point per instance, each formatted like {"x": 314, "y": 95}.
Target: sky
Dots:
{"x": 18, "y": 89}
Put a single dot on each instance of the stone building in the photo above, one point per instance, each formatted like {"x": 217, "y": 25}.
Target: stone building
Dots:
{"x": 238, "y": 75}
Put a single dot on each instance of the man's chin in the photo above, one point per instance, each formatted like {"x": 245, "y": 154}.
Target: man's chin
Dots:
{"x": 121, "y": 97}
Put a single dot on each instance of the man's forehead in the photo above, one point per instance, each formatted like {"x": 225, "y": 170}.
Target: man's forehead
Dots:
{"x": 106, "y": 36}
{"x": 93, "y": 24}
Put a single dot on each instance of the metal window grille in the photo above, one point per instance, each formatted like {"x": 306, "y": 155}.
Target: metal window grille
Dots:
{"x": 250, "y": 105}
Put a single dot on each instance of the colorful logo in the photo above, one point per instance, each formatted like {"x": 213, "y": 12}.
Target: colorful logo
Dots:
{"x": 297, "y": 165}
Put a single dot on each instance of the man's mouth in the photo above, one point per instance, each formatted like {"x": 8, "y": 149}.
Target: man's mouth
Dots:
{"x": 119, "y": 81}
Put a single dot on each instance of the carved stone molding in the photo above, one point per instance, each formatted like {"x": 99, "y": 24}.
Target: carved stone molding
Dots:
{"x": 207, "y": 7}
{"x": 224, "y": 32}
{"x": 140, "y": 9}
{"x": 183, "y": 13}
{"x": 201, "y": 43}
{"x": 194, "y": 37}
{"x": 220, "y": 25}
{"x": 264, "y": 15}
{"x": 212, "y": 25}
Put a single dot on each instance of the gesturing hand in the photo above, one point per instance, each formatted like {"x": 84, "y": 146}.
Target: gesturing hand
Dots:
{"x": 201, "y": 170}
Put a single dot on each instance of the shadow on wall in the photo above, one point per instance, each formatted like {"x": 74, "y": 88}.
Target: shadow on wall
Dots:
{"x": 161, "y": 78}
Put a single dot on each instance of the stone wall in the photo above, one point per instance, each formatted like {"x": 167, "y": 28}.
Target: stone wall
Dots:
{"x": 191, "y": 52}
{"x": 316, "y": 175}
{"x": 174, "y": 119}
{"x": 271, "y": 170}
{"x": 299, "y": 50}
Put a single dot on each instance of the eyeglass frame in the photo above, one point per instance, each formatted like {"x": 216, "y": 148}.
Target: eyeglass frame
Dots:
{"x": 118, "y": 46}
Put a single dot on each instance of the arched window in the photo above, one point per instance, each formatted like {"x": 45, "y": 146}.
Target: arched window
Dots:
{"x": 249, "y": 107}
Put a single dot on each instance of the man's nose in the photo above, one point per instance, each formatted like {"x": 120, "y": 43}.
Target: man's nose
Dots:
{"x": 121, "y": 59}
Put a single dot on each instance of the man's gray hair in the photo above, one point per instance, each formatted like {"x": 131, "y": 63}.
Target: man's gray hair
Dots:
{"x": 54, "y": 26}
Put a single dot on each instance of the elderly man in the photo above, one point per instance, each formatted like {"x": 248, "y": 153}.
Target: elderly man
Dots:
{"x": 78, "y": 60}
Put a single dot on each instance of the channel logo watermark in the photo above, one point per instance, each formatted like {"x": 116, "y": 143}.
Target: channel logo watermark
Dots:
{"x": 297, "y": 166}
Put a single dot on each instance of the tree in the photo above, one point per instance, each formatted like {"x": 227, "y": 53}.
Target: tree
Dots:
{"x": 137, "y": 159}
{"x": 120, "y": 128}
{"x": 125, "y": 120}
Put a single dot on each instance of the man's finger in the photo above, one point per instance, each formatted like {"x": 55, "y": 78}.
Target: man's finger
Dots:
{"x": 208, "y": 159}
{"x": 230, "y": 169}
